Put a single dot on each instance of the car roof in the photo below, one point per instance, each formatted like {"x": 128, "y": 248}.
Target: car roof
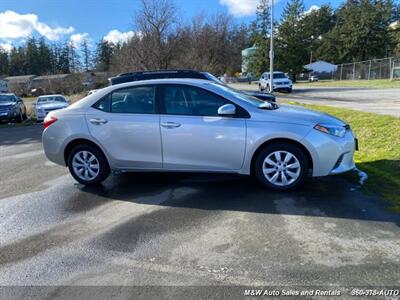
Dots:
{"x": 172, "y": 71}
{"x": 146, "y": 75}
{"x": 190, "y": 81}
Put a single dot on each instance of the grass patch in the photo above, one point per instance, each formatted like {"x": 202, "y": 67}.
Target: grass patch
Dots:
{"x": 379, "y": 154}
{"x": 376, "y": 83}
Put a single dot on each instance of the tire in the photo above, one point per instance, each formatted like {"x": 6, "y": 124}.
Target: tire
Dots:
{"x": 289, "y": 90}
{"x": 295, "y": 177}
{"x": 76, "y": 158}
{"x": 20, "y": 117}
{"x": 260, "y": 88}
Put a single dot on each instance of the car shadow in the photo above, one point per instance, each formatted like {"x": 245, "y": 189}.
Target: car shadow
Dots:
{"x": 331, "y": 197}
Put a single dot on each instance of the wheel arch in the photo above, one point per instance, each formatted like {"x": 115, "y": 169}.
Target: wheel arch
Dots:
{"x": 277, "y": 141}
{"x": 81, "y": 141}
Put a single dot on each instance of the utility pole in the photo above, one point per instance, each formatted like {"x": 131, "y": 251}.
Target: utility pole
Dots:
{"x": 309, "y": 74}
{"x": 271, "y": 52}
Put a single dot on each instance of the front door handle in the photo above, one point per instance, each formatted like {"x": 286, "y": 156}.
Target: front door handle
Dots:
{"x": 170, "y": 125}
{"x": 97, "y": 121}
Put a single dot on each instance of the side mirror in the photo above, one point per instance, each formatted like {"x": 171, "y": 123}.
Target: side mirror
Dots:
{"x": 227, "y": 110}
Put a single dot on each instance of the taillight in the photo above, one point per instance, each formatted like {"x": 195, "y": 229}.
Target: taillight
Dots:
{"x": 48, "y": 121}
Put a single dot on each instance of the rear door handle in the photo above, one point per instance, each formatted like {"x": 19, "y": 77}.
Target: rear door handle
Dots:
{"x": 97, "y": 121}
{"x": 170, "y": 125}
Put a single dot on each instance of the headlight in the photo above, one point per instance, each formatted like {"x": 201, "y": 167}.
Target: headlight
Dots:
{"x": 339, "y": 131}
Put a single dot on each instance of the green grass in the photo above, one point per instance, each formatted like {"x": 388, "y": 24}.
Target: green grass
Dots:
{"x": 377, "y": 83}
{"x": 379, "y": 154}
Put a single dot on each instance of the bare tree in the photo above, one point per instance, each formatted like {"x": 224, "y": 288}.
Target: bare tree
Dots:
{"x": 209, "y": 44}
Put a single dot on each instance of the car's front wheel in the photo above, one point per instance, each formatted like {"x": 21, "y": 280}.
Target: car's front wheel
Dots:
{"x": 281, "y": 166}
{"x": 20, "y": 117}
{"x": 88, "y": 165}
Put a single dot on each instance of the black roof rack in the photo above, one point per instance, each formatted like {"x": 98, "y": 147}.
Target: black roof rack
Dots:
{"x": 156, "y": 74}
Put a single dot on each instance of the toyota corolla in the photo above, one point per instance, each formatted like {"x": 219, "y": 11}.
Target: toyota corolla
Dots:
{"x": 195, "y": 125}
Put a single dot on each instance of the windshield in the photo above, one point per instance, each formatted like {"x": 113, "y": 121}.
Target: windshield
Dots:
{"x": 277, "y": 75}
{"x": 213, "y": 78}
{"x": 51, "y": 99}
{"x": 248, "y": 98}
{"x": 7, "y": 98}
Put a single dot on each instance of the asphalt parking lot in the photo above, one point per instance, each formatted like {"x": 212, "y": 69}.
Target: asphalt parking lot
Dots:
{"x": 184, "y": 229}
{"x": 380, "y": 101}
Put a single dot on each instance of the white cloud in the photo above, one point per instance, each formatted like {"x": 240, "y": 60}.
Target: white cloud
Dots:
{"x": 115, "y": 36}
{"x": 78, "y": 38}
{"x": 16, "y": 26}
{"x": 312, "y": 8}
{"x": 6, "y": 46}
{"x": 240, "y": 8}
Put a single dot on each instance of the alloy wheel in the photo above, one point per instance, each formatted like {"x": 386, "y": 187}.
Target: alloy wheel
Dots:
{"x": 85, "y": 165}
{"x": 281, "y": 168}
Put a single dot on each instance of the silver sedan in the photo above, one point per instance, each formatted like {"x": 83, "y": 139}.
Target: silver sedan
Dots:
{"x": 193, "y": 125}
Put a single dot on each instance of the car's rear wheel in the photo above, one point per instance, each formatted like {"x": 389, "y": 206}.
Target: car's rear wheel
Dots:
{"x": 281, "y": 166}
{"x": 88, "y": 165}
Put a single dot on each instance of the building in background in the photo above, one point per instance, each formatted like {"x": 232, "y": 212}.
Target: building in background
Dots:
{"x": 246, "y": 54}
{"x": 20, "y": 85}
{"x": 322, "y": 69}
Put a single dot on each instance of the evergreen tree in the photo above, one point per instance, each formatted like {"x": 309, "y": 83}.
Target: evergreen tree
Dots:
{"x": 104, "y": 54}
{"x": 17, "y": 62}
{"x": 44, "y": 58}
{"x": 74, "y": 59}
{"x": 87, "y": 56}
{"x": 4, "y": 66}
{"x": 32, "y": 64}
{"x": 292, "y": 42}
{"x": 361, "y": 32}
{"x": 259, "y": 61}
{"x": 317, "y": 23}
{"x": 63, "y": 61}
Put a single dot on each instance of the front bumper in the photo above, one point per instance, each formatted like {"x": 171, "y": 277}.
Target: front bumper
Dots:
{"x": 7, "y": 115}
{"x": 282, "y": 87}
{"x": 330, "y": 154}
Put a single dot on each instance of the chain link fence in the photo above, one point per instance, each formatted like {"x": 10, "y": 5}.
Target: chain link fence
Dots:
{"x": 385, "y": 68}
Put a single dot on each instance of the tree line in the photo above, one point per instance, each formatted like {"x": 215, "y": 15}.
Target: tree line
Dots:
{"x": 355, "y": 31}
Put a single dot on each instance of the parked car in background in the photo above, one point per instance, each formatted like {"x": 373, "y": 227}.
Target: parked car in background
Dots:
{"x": 4, "y": 86}
{"x": 195, "y": 126}
{"x": 47, "y": 103}
{"x": 280, "y": 82}
{"x": 12, "y": 108}
{"x": 147, "y": 75}
{"x": 313, "y": 78}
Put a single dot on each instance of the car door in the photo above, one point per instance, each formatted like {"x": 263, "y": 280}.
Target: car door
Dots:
{"x": 126, "y": 124}
{"x": 193, "y": 136}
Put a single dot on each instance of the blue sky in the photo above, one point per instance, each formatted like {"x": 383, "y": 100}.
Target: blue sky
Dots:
{"x": 95, "y": 19}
